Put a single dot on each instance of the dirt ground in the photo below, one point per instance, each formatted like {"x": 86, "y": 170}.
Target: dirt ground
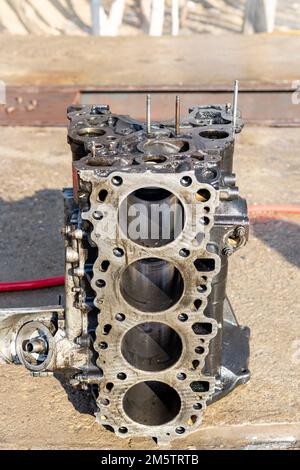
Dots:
{"x": 263, "y": 288}
{"x": 69, "y": 17}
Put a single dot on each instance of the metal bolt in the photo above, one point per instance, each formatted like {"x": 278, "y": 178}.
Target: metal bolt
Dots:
{"x": 240, "y": 231}
{"x": 227, "y": 251}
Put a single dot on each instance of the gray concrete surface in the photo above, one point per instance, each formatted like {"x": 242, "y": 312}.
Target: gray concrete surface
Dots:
{"x": 263, "y": 288}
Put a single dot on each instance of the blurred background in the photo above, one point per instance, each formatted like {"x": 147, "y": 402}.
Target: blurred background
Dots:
{"x": 154, "y": 17}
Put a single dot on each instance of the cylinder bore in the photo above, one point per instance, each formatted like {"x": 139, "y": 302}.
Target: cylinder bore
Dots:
{"x": 151, "y": 217}
{"x": 151, "y": 346}
{"x": 151, "y": 403}
{"x": 151, "y": 285}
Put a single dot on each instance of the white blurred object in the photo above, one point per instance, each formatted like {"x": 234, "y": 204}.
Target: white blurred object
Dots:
{"x": 107, "y": 24}
{"x": 157, "y": 17}
{"x": 175, "y": 17}
{"x": 259, "y": 16}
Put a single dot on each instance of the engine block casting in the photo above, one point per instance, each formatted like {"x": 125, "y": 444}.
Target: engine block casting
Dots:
{"x": 150, "y": 223}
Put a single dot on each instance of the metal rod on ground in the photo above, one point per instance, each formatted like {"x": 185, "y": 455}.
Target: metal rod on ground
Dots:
{"x": 235, "y": 103}
{"x": 148, "y": 114}
{"x": 177, "y": 115}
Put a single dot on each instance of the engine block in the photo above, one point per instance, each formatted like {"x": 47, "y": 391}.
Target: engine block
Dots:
{"x": 151, "y": 220}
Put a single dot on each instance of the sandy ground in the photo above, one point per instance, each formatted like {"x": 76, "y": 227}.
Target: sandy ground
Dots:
{"x": 61, "y": 17}
{"x": 263, "y": 287}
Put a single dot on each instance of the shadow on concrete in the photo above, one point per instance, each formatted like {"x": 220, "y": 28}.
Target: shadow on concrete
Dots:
{"x": 282, "y": 236}
{"x": 31, "y": 246}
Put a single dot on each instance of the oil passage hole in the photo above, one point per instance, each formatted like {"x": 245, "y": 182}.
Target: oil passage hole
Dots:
{"x": 197, "y": 304}
{"x": 151, "y": 403}
{"x": 154, "y": 160}
{"x": 214, "y": 134}
{"x": 151, "y": 216}
{"x": 151, "y": 346}
{"x": 106, "y": 329}
{"x": 104, "y": 266}
{"x": 203, "y": 195}
{"x": 199, "y": 386}
{"x": 103, "y": 195}
{"x": 109, "y": 386}
{"x": 151, "y": 285}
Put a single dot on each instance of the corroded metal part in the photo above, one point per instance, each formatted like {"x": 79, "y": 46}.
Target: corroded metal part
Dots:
{"x": 153, "y": 215}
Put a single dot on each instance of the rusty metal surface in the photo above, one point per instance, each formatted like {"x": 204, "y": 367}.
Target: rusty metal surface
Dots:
{"x": 45, "y": 106}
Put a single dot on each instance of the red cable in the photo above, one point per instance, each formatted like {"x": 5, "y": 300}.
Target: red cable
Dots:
{"x": 270, "y": 212}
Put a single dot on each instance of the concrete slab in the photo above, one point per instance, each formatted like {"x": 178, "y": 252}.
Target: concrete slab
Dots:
{"x": 263, "y": 288}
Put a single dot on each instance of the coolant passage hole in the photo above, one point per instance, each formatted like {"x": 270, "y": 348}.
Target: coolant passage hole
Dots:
{"x": 214, "y": 134}
{"x": 151, "y": 216}
{"x": 151, "y": 285}
{"x": 151, "y": 346}
{"x": 90, "y": 131}
{"x": 151, "y": 403}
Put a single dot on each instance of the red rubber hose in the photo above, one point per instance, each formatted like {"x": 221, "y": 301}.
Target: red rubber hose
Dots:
{"x": 34, "y": 284}
{"x": 269, "y": 212}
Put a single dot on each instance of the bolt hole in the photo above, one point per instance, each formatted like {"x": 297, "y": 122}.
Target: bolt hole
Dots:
{"x": 181, "y": 376}
{"x": 103, "y": 345}
{"x": 201, "y": 289}
{"x": 121, "y": 376}
{"x": 204, "y": 220}
{"x": 197, "y": 406}
{"x": 100, "y": 283}
{"x": 184, "y": 252}
{"x": 199, "y": 350}
{"x": 123, "y": 430}
{"x": 186, "y": 181}
{"x": 97, "y": 215}
{"x": 183, "y": 317}
{"x": 118, "y": 252}
{"x": 120, "y": 317}
{"x": 180, "y": 430}
{"x": 117, "y": 180}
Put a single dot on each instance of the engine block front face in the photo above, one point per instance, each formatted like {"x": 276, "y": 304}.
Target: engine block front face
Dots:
{"x": 161, "y": 213}
{"x": 151, "y": 220}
